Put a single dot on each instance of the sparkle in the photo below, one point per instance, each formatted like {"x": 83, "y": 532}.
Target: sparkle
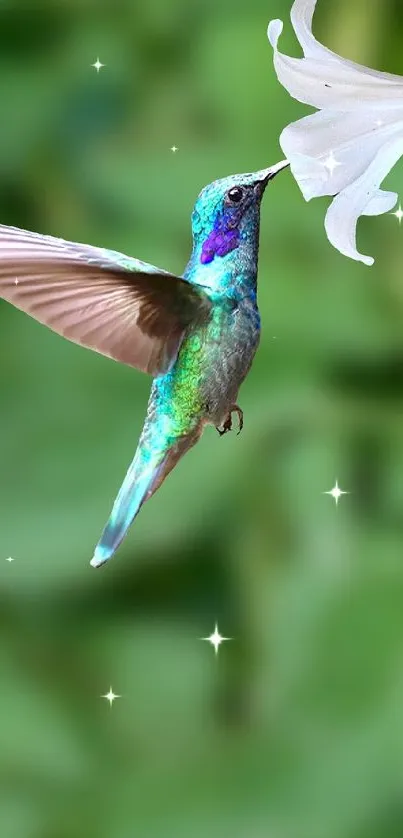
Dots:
{"x": 9, "y": 559}
{"x": 174, "y": 148}
{"x": 336, "y": 493}
{"x": 398, "y": 214}
{"x": 331, "y": 163}
{"x": 97, "y": 64}
{"x": 215, "y": 639}
{"x": 16, "y": 281}
{"x": 110, "y": 696}
{"x": 379, "y": 122}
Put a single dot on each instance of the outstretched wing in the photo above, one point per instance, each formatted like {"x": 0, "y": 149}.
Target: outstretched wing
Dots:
{"x": 118, "y": 306}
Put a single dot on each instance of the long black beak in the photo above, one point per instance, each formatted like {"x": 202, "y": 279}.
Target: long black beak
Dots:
{"x": 265, "y": 175}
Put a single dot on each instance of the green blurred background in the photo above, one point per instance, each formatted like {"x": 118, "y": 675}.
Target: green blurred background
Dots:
{"x": 296, "y": 729}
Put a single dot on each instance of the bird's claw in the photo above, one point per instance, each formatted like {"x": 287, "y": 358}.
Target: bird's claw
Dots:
{"x": 227, "y": 426}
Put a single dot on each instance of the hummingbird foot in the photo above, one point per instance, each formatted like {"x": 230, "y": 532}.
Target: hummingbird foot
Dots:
{"x": 227, "y": 426}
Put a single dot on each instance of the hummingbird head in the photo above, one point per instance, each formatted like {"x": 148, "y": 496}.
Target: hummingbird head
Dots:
{"x": 226, "y": 213}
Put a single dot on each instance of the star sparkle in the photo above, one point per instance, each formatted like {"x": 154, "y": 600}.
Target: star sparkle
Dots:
{"x": 216, "y": 639}
{"x": 174, "y": 148}
{"x": 9, "y": 559}
{"x": 336, "y": 493}
{"x": 97, "y": 64}
{"x": 398, "y": 214}
{"x": 331, "y": 163}
{"x": 16, "y": 281}
{"x": 110, "y": 696}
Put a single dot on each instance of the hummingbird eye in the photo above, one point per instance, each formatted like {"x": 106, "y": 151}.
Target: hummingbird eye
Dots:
{"x": 235, "y": 194}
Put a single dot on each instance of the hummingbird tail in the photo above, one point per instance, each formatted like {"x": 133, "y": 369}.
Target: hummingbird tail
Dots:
{"x": 144, "y": 477}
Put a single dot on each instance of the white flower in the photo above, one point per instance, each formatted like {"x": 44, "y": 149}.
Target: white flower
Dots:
{"x": 348, "y": 147}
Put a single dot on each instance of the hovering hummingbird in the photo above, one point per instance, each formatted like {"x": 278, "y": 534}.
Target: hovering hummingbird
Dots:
{"x": 196, "y": 334}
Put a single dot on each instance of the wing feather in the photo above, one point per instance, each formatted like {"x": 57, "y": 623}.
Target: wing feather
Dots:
{"x": 118, "y": 306}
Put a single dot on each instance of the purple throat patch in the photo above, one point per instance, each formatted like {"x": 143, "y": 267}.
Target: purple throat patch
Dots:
{"x": 222, "y": 239}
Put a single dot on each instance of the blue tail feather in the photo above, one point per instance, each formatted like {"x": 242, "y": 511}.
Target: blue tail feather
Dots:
{"x": 137, "y": 485}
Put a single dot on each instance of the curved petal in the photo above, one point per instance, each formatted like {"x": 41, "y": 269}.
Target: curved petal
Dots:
{"x": 343, "y": 213}
{"x": 328, "y": 83}
{"x": 381, "y": 202}
{"x": 352, "y": 138}
{"x": 301, "y": 18}
{"x": 310, "y": 174}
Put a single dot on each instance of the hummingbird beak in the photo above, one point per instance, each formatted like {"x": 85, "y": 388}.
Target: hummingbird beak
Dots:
{"x": 263, "y": 177}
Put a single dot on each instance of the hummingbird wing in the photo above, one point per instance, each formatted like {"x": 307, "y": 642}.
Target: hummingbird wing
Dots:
{"x": 118, "y": 306}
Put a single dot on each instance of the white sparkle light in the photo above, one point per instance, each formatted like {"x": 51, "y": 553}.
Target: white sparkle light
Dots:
{"x": 331, "y": 163}
{"x": 110, "y": 696}
{"x": 216, "y": 639}
{"x": 97, "y": 64}
{"x": 9, "y": 559}
{"x": 16, "y": 281}
{"x": 336, "y": 493}
{"x": 174, "y": 148}
{"x": 398, "y": 214}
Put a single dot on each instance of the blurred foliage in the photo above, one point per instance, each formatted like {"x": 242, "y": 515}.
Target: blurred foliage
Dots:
{"x": 295, "y": 731}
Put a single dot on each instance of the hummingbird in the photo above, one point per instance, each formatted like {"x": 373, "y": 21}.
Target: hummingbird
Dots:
{"x": 196, "y": 334}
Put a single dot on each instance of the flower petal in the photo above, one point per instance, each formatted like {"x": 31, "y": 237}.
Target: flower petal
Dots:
{"x": 381, "y": 202}
{"x": 301, "y": 18}
{"x": 332, "y": 82}
{"x": 353, "y": 140}
{"x": 343, "y": 213}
